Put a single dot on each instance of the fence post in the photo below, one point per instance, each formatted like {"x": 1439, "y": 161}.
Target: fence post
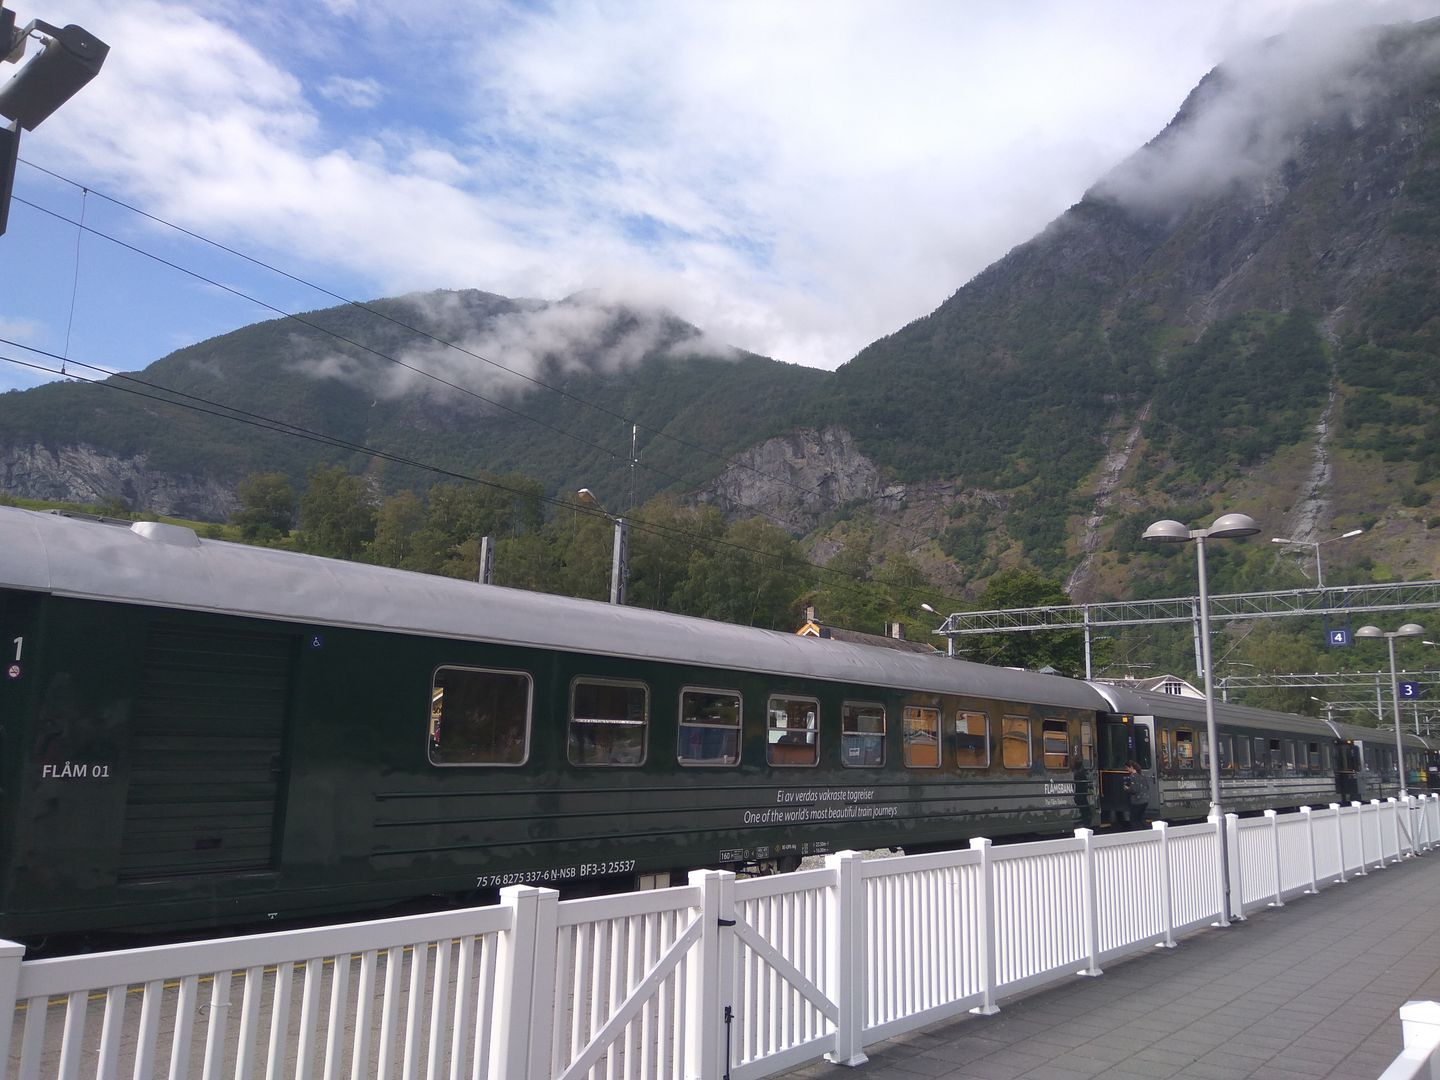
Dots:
{"x": 1310, "y": 838}
{"x": 1237, "y": 878}
{"x": 1420, "y": 1029}
{"x": 1339, "y": 840}
{"x": 1167, "y": 884}
{"x": 1274, "y": 820}
{"x": 704, "y": 1011}
{"x": 847, "y": 946}
{"x": 11, "y": 953}
{"x": 987, "y": 926}
{"x": 524, "y": 999}
{"x": 1379, "y": 830}
{"x": 1090, "y": 901}
{"x": 1360, "y": 823}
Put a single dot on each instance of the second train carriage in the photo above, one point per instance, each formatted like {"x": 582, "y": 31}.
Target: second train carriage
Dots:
{"x": 196, "y": 733}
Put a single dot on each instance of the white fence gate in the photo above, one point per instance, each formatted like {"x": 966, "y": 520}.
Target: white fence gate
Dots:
{"x": 718, "y": 978}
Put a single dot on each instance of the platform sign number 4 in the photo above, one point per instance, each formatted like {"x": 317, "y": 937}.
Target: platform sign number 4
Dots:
{"x": 1337, "y": 638}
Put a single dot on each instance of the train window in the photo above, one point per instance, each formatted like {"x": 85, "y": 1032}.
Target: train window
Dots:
{"x": 972, "y": 740}
{"x": 862, "y": 735}
{"x": 479, "y": 717}
{"x": 1015, "y": 743}
{"x": 1167, "y": 749}
{"x": 1262, "y": 753}
{"x": 1276, "y": 758}
{"x": 709, "y": 727}
{"x": 1055, "y": 742}
{"x": 1312, "y": 755}
{"x": 1242, "y": 752}
{"x": 1227, "y": 751}
{"x": 1087, "y": 744}
{"x": 608, "y": 722}
{"x": 1204, "y": 749}
{"x": 793, "y": 734}
{"x": 1325, "y": 757}
{"x": 1184, "y": 749}
{"x": 922, "y": 737}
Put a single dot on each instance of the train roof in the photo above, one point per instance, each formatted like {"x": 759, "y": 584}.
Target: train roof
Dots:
{"x": 1127, "y": 699}
{"x": 161, "y": 565}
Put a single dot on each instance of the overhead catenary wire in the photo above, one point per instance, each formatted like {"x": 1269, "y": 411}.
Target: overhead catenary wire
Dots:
{"x": 180, "y": 399}
{"x": 635, "y": 426}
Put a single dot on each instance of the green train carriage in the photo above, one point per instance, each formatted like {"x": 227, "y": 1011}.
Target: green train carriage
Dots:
{"x": 196, "y": 733}
{"x": 201, "y": 734}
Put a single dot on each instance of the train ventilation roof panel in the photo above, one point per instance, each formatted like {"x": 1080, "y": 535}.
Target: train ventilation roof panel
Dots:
{"x": 174, "y": 535}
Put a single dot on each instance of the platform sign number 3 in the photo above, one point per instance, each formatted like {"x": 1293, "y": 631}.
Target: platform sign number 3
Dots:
{"x": 1409, "y": 691}
{"x": 12, "y": 669}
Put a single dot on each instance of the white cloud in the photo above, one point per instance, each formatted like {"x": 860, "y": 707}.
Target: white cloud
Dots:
{"x": 21, "y": 330}
{"x": 798, "y": 179}
{"x": 594, "y": 331}
{"x": 1246, "y": 120}
{"x": 355, "y": 93}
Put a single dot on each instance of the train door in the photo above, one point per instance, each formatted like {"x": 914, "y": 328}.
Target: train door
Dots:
{"x": 1347, "y": 770}
{"x": 1122, "y": 739}
{"x": 205, "y": 752}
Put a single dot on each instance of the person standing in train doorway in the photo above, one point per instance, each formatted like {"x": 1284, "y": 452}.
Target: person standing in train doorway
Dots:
{"x": 1137, "y": 793}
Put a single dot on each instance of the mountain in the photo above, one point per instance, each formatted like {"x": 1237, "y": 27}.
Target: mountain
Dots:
{"x": 1243, "y": 315}
{"x": 1243, "y": 312}
{"x": 413, "y": 378}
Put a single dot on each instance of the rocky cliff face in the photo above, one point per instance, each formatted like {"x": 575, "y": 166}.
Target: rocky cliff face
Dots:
{"x": 87, "y": 475}
{"x": 797, "y": 478}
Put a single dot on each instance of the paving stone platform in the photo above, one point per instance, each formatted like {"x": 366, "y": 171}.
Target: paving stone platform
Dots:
{"x": 1304, "y": 992}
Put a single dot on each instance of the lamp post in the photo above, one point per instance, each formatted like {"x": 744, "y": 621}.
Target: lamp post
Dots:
{"x": 1319, "y": 575}
{"x": 1409, "y": 629}
{"x": 1225, "y": 527}
{"x": 944, "y": 629}
{"x": 620, "y": 556}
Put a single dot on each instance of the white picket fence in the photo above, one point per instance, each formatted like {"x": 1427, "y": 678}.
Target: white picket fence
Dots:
{"x": 718, "y": 978}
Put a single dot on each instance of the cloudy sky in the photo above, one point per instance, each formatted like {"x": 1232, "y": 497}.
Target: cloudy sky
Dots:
{"x": 798, "y": 178}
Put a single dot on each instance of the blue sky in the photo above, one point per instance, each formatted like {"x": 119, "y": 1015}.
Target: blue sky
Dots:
{"x": 797, "y": 178}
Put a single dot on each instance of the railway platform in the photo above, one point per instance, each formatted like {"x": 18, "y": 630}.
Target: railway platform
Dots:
{"x": 1310, "y": 991}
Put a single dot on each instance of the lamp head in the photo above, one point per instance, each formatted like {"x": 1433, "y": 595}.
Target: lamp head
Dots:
{"x": 1369, "y": 632}
{"x": 1410, "y": 629}
{"x": 1352, "y": 532}
{"x": 927, "y": 607}
{"x": 1233, "y": 525}
{"x": 71, "y": 57}
{"x": 1167, "y": 531}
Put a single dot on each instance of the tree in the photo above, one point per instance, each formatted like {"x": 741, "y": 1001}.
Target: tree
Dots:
{"x": 397, "y": 521}
{"x": 1062, "y": 650}
{"x": 267, "y": 507}
{"x": 337, "y": 514}
{"x": 753, "y": 577}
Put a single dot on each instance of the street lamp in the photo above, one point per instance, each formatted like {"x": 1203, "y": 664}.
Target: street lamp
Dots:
{"x": 1410, "y": 629}
{"x": 944, "y": 629}
{"x": 620, "y": 557}
{"x": 1319, "y": 576}
{"x": 69, "y": 58}
{"x": 1225, "y": 527}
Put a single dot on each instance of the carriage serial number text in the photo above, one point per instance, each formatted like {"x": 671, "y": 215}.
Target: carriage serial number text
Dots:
{"x": 557, "y": 873}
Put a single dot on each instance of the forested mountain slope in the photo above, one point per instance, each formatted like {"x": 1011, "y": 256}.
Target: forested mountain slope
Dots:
{"x": 1244, "y": 314}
